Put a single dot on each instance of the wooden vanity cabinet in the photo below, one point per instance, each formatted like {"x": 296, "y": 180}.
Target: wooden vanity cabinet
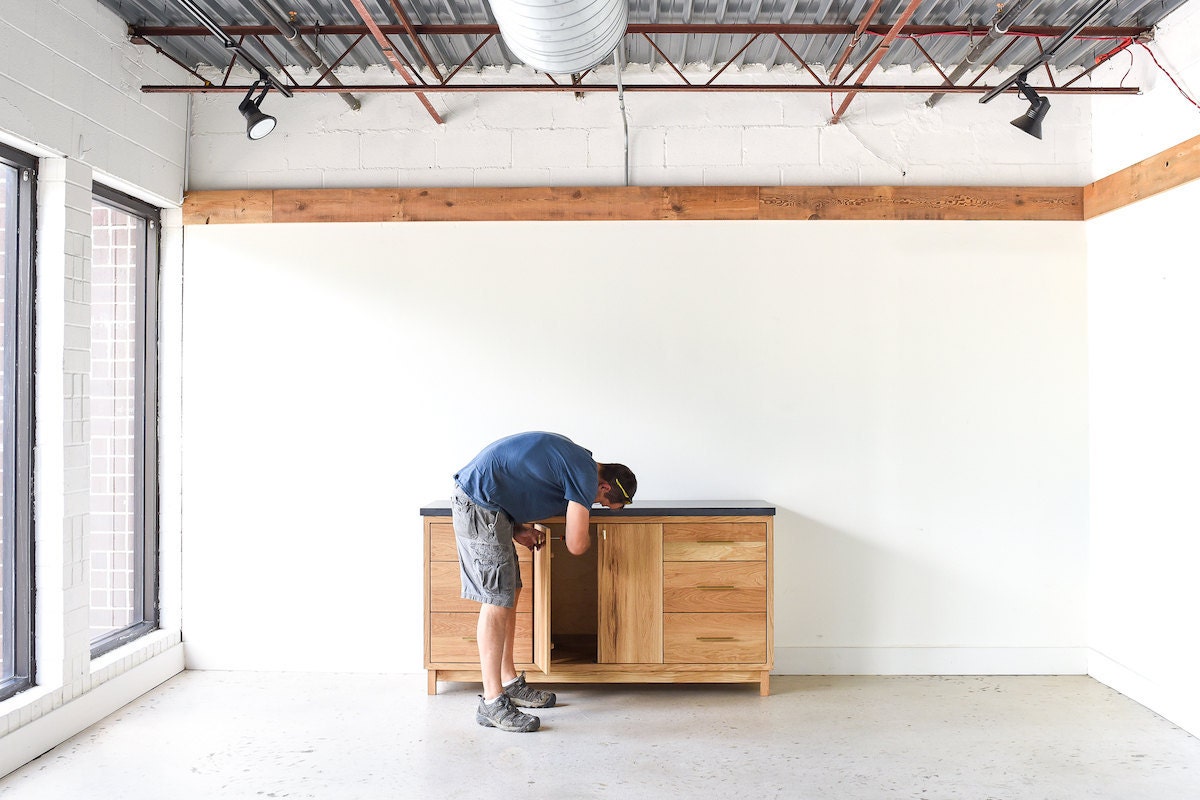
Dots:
{"x": 683, "y": 594}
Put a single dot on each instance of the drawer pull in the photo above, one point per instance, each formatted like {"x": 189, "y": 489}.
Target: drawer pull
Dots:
{"x": 714, "y": 638}
{"x": 468, "y": 638}
{"x": 716, "y": 588}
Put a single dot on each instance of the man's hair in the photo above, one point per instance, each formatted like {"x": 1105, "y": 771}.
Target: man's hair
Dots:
{"x": 619, "y": 477}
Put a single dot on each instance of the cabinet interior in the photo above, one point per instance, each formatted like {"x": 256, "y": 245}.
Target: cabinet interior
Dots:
{"x": 573, "y": 601}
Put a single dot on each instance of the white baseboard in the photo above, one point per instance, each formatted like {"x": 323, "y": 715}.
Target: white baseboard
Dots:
{"x": 1173, "y": 704}
{"x": 931, "y": 661}
{"x": 55, "y": 727}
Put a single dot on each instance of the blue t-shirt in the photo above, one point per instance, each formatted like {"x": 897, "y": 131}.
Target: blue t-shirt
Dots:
{"x": 531, "y": 476}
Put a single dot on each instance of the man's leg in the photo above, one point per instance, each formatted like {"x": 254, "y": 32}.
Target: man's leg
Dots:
{"x": 497, "y": 627}
{"x": 508, "y": 664}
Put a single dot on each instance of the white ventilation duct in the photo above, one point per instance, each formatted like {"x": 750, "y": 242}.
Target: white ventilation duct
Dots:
{"x": 561, "y": 36}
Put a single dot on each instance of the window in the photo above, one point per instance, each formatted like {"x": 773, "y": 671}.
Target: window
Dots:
{"x": 123, "y": 394}
{"x": 17, "y": 174}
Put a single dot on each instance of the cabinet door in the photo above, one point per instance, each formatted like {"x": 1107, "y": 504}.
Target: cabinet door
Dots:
{"x": 629, "y": 583}
{"x": 541, "y": 604}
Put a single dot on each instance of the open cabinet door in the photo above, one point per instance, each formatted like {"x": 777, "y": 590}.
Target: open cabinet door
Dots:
{"x": 541, "y": 604}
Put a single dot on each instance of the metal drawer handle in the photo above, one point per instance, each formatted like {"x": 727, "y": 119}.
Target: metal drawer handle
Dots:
{"x": 715, "y": 588}
{"x": 714, "y": 638}
{"x": 468, "y": 638}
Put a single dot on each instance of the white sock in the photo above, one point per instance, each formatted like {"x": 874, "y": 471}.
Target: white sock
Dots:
{"x": 507, "y": 684}
{"x": 492, "y": 702}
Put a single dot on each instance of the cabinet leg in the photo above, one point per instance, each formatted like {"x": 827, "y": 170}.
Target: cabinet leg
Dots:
{"x": 432, "y": 678}
{"x": 764, "y": 684}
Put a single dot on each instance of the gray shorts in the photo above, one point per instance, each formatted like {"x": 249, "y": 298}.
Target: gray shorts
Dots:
{"x": 487, "y": 556}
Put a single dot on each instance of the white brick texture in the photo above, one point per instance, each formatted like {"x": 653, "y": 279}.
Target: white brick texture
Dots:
{"x": 754, "y": 138}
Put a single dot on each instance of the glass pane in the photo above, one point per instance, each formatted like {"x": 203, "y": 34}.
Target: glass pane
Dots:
{"x": 8, "y": 235}
{"x": 116, "y": 240}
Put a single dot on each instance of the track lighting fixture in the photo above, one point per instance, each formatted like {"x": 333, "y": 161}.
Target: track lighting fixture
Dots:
{"x": 1031, "y": 120}
{"x": 258, "y": 124}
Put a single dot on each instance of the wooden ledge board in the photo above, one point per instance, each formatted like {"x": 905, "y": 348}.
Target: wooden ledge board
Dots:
{"x": 1166, "y": 170}
{"x": 635, "y": 203}
{"x": 1172, "y": 167}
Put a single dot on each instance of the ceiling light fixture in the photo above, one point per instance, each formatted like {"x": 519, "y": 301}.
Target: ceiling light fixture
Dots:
{"x": 1031, "y": 121}
{"x": 258, "y": 124}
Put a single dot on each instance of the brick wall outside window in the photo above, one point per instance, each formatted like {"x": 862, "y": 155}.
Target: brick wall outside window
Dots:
{"x": 112, "y": 396}
{"x": 6, "y": 175}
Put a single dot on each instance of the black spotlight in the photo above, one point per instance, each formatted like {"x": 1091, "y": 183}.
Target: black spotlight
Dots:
{"x": 258, "y": 124}
{"x": 1031, "y": 120}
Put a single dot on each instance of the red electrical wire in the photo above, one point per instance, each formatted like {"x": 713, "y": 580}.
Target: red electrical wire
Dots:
{"x": 1169, "y": 76}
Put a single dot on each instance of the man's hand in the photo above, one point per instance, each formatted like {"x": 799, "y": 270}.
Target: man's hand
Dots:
{"x": 529, "y": 536}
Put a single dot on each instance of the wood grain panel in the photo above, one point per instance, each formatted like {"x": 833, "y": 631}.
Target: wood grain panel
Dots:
{"x": 715, "y": 541}
{"x": 921, "y": 202}
{"x": 714, "y": 638}
{"x": 445, "y": 588}
{"x": 629, "y": 588}
{"x": 1158, "y": 173}
{"x": 442, "y": 546}
{"x": 452, "y": 639}
{"x": 710, "y": 202}
{"x": 715, "y": 532}
{"x": 335, "y": 205}
{"x": 714, "y": 551}
{"x": 221, "y": 207}
{"x": 715, "y": 586}
{"x": 468, "y": 204}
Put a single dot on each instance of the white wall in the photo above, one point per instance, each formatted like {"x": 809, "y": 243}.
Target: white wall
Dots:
{"x": 1144, "y": 389}
{"x": 69, "y": 95}
{"x": 757, "y": 139}
{"x": 915, "y": 407}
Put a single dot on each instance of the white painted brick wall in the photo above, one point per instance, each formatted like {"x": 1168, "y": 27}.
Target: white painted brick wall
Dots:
{"x": 507, "y": 139}
{"x": 70, "y": 94}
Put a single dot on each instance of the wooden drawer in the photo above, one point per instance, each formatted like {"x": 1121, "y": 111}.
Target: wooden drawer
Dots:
{"x": 445, "y": 588}
{"x": 715, "y": 541}
{"x": 714, "y": 638}
{"x": 452, "y": 639}
{"x": 714, "y": 586}
{"x": 443, "y": 548}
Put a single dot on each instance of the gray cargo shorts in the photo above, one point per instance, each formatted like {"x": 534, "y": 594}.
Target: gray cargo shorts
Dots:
{"x": 487, "y": 556}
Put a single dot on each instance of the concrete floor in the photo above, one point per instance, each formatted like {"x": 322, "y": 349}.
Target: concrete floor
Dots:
{"x": 209, "y": 735}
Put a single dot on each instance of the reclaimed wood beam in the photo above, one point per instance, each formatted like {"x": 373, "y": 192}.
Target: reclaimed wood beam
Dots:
{"x": 635, "y": 203}
{"x": 1172, "y": 167}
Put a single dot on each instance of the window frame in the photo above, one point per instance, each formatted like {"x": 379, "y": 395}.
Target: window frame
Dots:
{"x": 18, "y": 595}
{"x": 146, "y": 523}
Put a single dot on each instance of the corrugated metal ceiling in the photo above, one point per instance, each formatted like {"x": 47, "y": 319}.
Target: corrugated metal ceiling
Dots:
{"x": 824, "y": 49}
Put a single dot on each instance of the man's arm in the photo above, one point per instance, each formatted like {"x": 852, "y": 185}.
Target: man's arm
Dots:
{"x": 577, "y": 537}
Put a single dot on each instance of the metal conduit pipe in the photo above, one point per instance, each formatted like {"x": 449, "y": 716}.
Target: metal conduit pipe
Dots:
{"x": 621, "y": 102}
{"x": 1001, "y": 22}
{"x": 284, "y": 26}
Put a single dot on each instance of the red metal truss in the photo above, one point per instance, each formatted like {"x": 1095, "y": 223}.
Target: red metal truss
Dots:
{"x": 393, "y": 57}
{"x": 879, "y": 53}
{"x": 889, "y": 35}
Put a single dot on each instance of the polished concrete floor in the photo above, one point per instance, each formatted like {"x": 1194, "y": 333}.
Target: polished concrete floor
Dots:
{"x": 263, "y": 735}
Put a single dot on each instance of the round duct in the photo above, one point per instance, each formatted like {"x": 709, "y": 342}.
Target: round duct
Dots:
{"x": 561, "y": 36}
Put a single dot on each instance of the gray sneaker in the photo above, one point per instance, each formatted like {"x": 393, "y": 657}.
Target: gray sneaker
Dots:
{"x": 522, "y": 694}
{"x": 501, "y": 714}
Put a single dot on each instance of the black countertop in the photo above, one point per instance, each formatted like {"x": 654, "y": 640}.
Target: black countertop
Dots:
{"x": 656, "y": 508}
